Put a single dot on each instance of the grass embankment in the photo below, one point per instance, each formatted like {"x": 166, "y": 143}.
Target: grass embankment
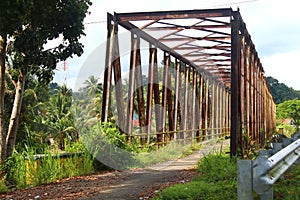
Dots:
{"x": 217, "y": 179}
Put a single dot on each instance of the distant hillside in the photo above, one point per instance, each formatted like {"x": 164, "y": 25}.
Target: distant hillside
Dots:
{"x": 281, "y": 92}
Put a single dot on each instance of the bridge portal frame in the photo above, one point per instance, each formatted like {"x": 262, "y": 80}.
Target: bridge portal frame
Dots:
{"x": 229, "y": 90}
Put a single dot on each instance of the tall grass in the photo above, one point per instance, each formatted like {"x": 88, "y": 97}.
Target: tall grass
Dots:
{"x": 24, "y": 170}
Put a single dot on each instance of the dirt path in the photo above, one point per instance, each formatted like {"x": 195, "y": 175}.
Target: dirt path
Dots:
{"x": 121, "y": 185}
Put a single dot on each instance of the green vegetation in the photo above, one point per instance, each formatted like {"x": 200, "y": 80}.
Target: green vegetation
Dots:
{"x": 217, "y": 179}
{"x": 281, "y": 92}
{"x": 288, "y": 187}
{"x": 24, "y": 170}
{"x": 27, "y": 29}
{"x": 289, "y": 109}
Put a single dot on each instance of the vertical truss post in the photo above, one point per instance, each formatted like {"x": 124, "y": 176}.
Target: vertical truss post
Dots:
{"x": 118, "y": 80}
{"x": 200, "y": 105}
{"x": 194, "y": 107}
{"x": 248, "y": 90}
{"x": 152, "y": 62}
{"x": 255, "y": 98}
{"x": 140, "y": 91}
{"x": 213, "y": 110}
{"x": 133, "y": 65}
{"x": 207, "y": 116}
{"x": 221, "y": 111}
{"x": 176, "y": 95}
{"x": 185, "y": 101}
{"x": 157, "y": 99}
{"x": 228, "y": 111}
{"x": 165, "y": 93}
{"x": 108, "y": 67}
{"x": 235, "y": 88}
{"x": 242, "y": 91}
{"x": 252, "y": 93}
{"x": 218, "y": 107}
{"x": 170, "y": 99}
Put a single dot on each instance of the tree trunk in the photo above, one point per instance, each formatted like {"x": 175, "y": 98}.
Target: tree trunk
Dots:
{"x": 3, "y": 44}
{"x": 15, "y": 114}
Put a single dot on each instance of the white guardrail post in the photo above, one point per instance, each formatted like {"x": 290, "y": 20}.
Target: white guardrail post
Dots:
{"x": 260, "y": 174}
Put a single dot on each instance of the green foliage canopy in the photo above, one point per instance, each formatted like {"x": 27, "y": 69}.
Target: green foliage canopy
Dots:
{"x": 280, "y": 91}
{"x": 289, "y": 109}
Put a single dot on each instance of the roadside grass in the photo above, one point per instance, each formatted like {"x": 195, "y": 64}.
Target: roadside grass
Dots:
{"x": 166, "y": 153}
{"x": 23, "y": 170}
{"x": 217, "y": 179}
{"x": 288, "y": 188}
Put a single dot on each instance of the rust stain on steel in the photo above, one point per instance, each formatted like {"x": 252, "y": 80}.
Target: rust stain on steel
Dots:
{"x": 152, "y": 62}
{"x": 108, "y": 68}
{"x": 140, "y": 92}
{"x": 131, "y": 84}
{"x": 118, "y": 81}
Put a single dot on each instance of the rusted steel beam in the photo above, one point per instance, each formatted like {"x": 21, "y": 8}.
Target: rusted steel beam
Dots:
{"x": 160, "y": 45}
{"x": 198, "y": 27}
{"x": 207, "y": 108}
{"x": 108, "y": 68}
{"x": 184, "y": 38}
{"x": 235, "y": 94}
{"x": 223, "y": 111}
{"x": 177, "y": 95}
{"x": 157, "y": 99}
{"x": 133, "y": 65}
{"x": 248, "y": 91}
{"x": 170, "y": 99}
{"x": 225, "y": 48}
{"x": 208, "y": 54}
{"x": 118, "y": 82}
{"x": 194, "y": 107}
{"x": 152, "y": 62}
{"x": 198, "y": 110}
{"x": 165, "y": 93}
{"x": 199, "y": 116}
{"x": 242, "y": 91}
{"x": 216, "y": 21}
{"x": 140, "y": 92}
{"x": 182, "y": 14}
{"x": 211, "y": 60}
{"x": 186, "y": 96}
{"x": 213, "y": 108}
{"x": 252, "y": 94}
{"x": 148, "y": 24}
{"x": 256, "y": 136}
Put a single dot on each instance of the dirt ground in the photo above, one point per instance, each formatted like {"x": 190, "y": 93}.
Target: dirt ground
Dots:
{"x": 121, "y": 185}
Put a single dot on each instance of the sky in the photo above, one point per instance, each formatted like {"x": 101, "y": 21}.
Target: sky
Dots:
{"x": 274, "y": 27}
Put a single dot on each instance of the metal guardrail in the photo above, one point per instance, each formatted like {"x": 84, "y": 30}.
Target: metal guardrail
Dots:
{"x": 260, "y": 174}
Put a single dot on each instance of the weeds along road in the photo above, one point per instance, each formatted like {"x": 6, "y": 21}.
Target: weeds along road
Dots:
{"x": 122, "y": 185}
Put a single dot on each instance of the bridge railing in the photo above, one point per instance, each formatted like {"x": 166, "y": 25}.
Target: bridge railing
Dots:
{"x": 260, "y": 174}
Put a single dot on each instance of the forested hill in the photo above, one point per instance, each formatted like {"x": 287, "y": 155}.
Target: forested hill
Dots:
{"x": 281, "y": 92}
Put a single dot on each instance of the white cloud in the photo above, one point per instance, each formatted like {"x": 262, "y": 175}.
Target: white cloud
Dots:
{"x": 284, "y": 67}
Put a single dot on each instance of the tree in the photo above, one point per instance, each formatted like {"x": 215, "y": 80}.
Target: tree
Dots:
{"x": 280, "y": 91}
{"x": 289, "y": 109}
{"x": 26, "y": 29}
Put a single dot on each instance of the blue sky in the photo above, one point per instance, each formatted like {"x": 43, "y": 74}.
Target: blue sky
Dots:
{"x": 273, "y": 25}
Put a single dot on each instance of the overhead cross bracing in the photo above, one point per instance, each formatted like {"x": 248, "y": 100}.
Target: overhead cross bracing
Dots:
{"x": 199, "y": 37}
{"x": 215, "y": 60}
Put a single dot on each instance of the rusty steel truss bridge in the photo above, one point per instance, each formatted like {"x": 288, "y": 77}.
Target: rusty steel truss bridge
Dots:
{"x": 189, "y": 75}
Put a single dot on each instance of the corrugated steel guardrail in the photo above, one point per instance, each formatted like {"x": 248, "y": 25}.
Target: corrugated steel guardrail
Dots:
{"x": 260, "y": 174}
